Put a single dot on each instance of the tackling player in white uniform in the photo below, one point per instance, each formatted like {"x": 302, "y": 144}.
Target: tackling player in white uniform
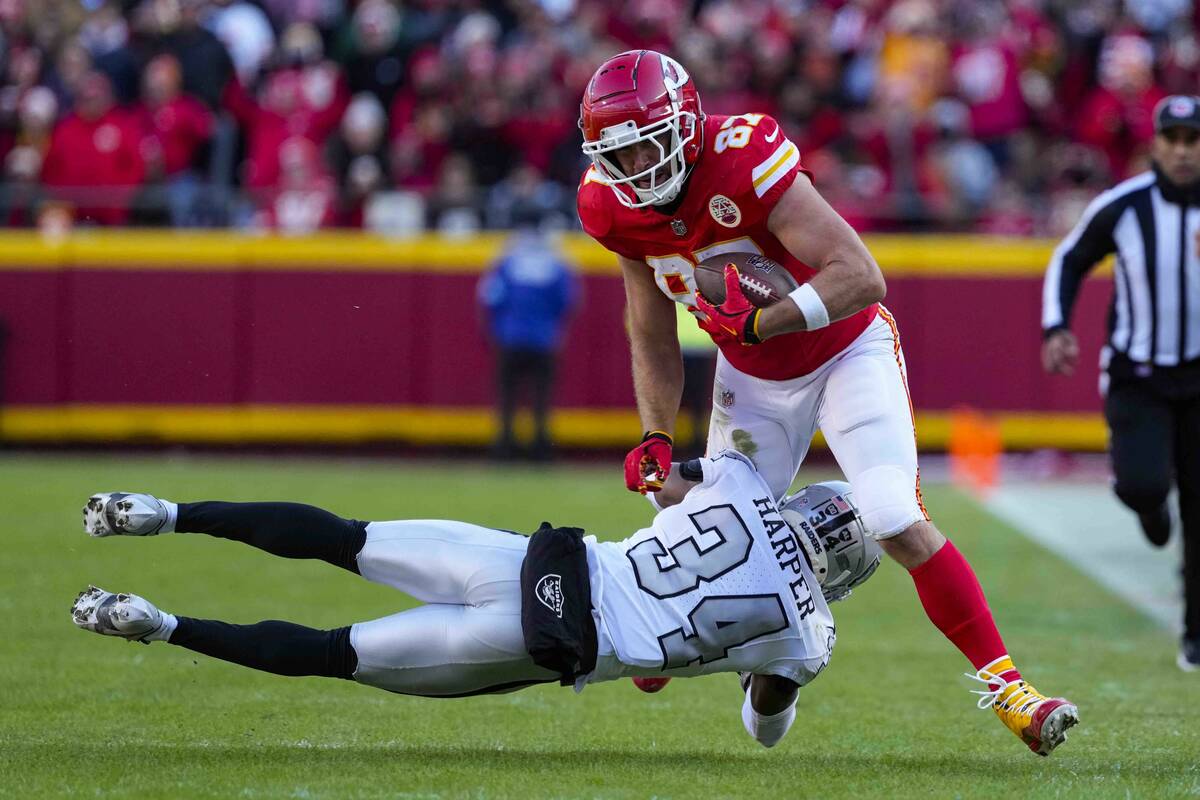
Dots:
{"x": 718, "y": 583}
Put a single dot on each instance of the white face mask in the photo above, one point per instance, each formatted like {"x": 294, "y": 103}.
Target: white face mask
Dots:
{"x": 666, "y": 176}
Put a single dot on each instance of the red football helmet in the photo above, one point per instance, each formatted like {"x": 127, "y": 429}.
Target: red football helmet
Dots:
{"x": 636, "y": 96}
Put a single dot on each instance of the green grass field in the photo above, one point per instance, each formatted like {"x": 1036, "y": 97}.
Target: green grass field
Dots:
{"x": 86, "y": 717}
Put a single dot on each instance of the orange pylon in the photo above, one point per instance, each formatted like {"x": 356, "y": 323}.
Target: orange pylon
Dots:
{"x": 975, "y": 449}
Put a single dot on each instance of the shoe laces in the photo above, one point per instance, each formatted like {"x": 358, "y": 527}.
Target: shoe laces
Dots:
{"x": 1023, "y": 700}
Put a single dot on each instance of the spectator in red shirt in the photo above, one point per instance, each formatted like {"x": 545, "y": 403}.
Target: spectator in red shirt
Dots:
{"x": 420, "y": 121}
{"x": 175, "y": 128}
{"x": 305, "y": 99}
{"x": 176, "y": 125}
{"x": 306, "y": 197}
{"x": 543, "y": 120}
{"x": 94, "y": 161}
{"x": 1117, "y": 116}
{"x": 987, "y": 76}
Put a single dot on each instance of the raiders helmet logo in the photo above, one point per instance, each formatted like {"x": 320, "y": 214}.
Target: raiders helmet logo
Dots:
{"x": 549, "y": 593}
{"x": 724, "y": 211}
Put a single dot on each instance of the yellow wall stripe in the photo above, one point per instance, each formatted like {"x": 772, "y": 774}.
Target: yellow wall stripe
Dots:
{"x": 356, "y": 424}
{"x": 352, "y": 251}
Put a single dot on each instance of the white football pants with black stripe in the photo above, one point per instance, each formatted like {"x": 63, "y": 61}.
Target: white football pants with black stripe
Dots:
{"x": 467, "y": 640}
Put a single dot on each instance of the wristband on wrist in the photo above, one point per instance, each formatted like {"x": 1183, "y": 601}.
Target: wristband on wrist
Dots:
{"x": 752, "y": 336}
{"x": 666, "y": 437}
{"x": 811, "y": 306}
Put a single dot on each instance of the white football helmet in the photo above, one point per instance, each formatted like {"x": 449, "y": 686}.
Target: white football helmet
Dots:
{"x": 827, "y": 523}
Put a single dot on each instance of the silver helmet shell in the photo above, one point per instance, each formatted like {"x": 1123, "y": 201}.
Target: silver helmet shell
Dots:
{"x": 830, "y": 529}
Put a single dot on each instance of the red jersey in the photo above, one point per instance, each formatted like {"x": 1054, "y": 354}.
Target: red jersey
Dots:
{"x": 178, "y": 129}
{"x": 96, "y": 164}
{"x": 745, "y": 167}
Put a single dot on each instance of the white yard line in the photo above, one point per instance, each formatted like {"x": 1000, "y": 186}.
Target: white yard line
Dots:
{"x": 1085, "y": 524}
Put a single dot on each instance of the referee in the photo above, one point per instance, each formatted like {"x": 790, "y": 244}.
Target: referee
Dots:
{"x": 1151, "y": 361}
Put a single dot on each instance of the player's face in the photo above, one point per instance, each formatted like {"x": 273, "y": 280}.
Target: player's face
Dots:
{"x": 641, "y": 156}
{"x": 1176, "y": 150}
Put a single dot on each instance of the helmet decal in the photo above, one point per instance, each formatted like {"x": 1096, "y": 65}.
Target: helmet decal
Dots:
{"x": 674, "y": 77}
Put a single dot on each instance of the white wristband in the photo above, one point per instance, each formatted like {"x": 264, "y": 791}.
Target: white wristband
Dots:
{"x": 810, "y": 305}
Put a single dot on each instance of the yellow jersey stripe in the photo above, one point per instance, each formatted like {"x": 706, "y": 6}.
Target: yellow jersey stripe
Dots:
{"x": 790, "y": 158}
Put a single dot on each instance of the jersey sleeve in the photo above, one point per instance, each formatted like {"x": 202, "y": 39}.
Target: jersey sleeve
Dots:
{"x": 1089, "y": 242}
{"x": 764, "y": 167}
{"x": 593, "y": 203}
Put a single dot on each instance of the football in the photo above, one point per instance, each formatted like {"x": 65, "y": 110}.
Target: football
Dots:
{"x": 764, "y": 282}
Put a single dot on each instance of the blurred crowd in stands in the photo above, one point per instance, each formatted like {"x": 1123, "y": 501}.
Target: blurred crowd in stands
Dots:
{"x": 459, "y": 115}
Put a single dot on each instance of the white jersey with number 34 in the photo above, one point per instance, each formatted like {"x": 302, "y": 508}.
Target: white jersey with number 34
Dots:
{"x": 717, "y": 583}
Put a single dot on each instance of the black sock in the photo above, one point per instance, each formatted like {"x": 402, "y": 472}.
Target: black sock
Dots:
{"x": 283, "y": 648}
{"x": 290, "y": 530}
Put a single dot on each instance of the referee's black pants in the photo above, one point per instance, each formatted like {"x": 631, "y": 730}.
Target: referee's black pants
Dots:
{"x": 1154, "y": 422}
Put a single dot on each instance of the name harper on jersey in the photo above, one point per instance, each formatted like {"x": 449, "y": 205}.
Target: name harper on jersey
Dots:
{"x": 787, "y": 554}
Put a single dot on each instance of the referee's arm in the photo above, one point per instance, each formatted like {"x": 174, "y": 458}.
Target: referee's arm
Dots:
{"x": 1085, "y": 246}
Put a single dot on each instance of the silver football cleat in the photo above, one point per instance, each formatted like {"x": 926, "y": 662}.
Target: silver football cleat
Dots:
{"x": 125, "y": 615}
{"x": 124, "y": 514}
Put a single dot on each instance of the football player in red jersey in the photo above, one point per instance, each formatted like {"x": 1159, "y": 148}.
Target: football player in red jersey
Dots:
{"x": 669, "y": 187}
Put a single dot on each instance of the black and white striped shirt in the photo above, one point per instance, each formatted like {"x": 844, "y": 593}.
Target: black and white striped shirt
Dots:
{"x": 1155, "y": 313}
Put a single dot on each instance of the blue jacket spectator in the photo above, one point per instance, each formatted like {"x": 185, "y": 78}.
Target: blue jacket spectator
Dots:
{"x": 528, "y": 294}
{"x": 527, "y": 297}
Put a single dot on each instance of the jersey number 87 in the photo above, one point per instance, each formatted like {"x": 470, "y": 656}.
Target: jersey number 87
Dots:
{"x": 736, "y": 136}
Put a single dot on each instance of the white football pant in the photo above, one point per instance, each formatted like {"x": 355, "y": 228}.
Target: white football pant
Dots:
{"x": 859, "y": 399}
{"x": 468, "y": 639}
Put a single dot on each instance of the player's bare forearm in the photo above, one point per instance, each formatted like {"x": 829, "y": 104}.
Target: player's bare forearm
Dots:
{"x": 847, "y": 280}
{"x": 654, "y": 346}
{"x": 657, "y": 380}
{"x": 842, "y": 288}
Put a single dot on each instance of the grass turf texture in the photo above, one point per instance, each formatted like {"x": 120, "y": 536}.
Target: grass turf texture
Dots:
{"x": 84, "y": 716}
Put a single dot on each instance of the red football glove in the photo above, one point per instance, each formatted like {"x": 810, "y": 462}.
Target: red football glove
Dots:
{"x": 651, "y": 685}
{"x": 735, "y": 320}
{"x": 648, "y": 464}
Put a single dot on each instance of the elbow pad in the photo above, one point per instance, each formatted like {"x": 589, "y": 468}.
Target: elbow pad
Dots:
{"x": 767, "y": 730}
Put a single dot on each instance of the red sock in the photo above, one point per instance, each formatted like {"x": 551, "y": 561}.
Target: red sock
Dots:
{"x": 954, "y": 601}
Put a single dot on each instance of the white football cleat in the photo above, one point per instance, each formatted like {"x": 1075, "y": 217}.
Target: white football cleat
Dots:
{"x": 125, "y": 615}
{"x": 124, "y": 514}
